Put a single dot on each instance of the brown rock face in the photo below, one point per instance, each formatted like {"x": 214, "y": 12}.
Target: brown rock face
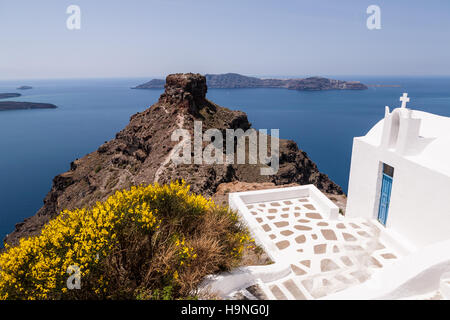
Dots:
{"x": 235, "y": 80}
{"x": 140, "y": 154}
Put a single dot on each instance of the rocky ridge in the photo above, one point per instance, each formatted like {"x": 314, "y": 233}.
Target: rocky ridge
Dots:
{"x": 141, "y": 152}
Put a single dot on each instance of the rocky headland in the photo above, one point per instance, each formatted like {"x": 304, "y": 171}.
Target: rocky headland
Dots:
{"x": 141, "y": 154}
{"x": 234, "y": 80}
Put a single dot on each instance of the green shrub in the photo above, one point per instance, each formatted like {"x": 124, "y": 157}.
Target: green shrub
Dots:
{"x": 149, "y": 242}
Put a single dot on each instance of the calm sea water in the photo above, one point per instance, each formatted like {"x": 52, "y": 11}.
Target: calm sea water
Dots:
{"x": 36, "y": 145}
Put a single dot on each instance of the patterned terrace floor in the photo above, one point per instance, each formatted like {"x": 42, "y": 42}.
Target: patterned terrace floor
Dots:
{"x": 325, "y": 255}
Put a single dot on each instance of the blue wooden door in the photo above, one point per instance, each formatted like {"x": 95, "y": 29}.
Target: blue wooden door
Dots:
{"x": 385, "y": 198}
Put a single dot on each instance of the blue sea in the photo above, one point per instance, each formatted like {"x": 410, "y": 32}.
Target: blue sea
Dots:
{"x": 36, "y": 145}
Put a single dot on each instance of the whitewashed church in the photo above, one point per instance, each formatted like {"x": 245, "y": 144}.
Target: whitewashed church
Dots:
{"x": 393, "y": 241}
{"x": 400, "y": 175}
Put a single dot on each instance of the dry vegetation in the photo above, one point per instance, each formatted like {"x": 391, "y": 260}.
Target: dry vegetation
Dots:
{"x": 153, "y": 242}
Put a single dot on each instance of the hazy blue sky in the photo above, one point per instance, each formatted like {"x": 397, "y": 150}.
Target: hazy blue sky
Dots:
{"x": 150, "y": 38}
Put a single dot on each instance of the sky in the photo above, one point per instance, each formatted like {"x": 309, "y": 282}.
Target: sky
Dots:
{"x": 150, "y": 38}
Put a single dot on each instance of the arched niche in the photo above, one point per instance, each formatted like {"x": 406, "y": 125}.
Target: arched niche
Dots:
{"x": 395, "y": 128}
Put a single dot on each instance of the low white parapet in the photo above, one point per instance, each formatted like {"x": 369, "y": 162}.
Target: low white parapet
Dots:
{"x": 444, "y": 288}
{"x": 239, "y": 201}
{"x": 419, "y": 273}
{"x": 226, "y": 283}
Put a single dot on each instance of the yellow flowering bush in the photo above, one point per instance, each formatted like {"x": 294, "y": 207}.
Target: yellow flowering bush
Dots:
{"x": 138, "y": 243}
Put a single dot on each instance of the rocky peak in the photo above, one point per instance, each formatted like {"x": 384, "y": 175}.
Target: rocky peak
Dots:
{"x": 187, "y": 90}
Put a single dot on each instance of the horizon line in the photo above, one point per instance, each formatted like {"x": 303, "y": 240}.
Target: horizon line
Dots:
{"x": 262, "y": 76}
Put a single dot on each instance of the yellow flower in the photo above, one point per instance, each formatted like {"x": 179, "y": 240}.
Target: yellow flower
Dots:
{"x": 37, "y": 267}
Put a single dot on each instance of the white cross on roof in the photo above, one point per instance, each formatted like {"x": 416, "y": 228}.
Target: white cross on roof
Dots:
{"x": 404, "y": 99}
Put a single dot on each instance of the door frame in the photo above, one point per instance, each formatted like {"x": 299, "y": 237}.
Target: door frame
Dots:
{"x": 387, "y": 180}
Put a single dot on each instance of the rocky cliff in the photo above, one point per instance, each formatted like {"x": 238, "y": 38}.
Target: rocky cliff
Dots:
{"x": 141, "y": 154}
{"x": 15, "y": 105}
{"x": 234, "y": 80}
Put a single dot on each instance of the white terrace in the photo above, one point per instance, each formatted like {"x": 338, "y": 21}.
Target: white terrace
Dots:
{"x": 390, "y": 245}
{"x": 315, "y": 250}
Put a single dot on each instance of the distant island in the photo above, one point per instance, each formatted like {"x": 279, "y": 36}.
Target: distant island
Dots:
{"x": 9, "y": 95}
{"x": 13, "y": 105}
{"x": 235, "y": 80}
{"x": 24, "y": 88}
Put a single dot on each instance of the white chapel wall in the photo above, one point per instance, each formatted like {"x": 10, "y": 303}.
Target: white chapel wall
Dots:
{"x": 420, "y": 199}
